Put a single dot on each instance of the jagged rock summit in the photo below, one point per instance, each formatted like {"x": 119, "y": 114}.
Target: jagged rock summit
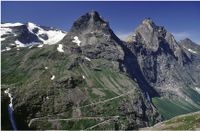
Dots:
{"x": 153, "y": 37}
{"x": 89, "y": 22}
{"x": 162, "y": 60}
{"x": 92, "y": 36}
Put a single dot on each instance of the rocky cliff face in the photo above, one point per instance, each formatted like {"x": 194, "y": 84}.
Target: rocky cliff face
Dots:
{"x": 190, "y": 47}
{"x": 92, "y": 36}
{"x": 163, "y": 62}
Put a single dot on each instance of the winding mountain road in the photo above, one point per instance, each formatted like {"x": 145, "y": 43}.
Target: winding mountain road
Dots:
{"x": 96, "y": 103}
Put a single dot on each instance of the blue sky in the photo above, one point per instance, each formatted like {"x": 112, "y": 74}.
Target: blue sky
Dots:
{"x": 180, "y": 18}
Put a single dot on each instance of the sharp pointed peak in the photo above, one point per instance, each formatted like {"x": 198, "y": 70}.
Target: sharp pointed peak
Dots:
{"x": 93, "y": 13}
{"x": 95, "y": 16}
{"x": 90, "y": 20}
{"x": 186, "y": 39}
{"x": 148, "y": 21}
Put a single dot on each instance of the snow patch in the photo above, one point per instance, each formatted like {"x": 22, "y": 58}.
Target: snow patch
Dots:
{"x": 2, "y": 39}
{"x": 5, "y": 31}
{"x": 53, "y": 35}
{"x": 19, "y": 44}
{"x": 3, "y": 50}
{"x": 40, "y": 46}
{"x": 8, "y": 48}
{"x": 52, "y": 77}
{"x": 12, "y": 44}
{"x": 83, "y": 76}
{"x": 87, "y": 58}
{"x": 30, "y": 46}
{"x": 7, "y": 91}
{"x": 190, "y": 50}
{"x": 76, "y": 40}
{"x": 11, "y": 24}
{"x": 198, "y": 90}
{"x": 46, "y": 68}
{"x": 31, "y": 26}
{"x": 60, "y": 48}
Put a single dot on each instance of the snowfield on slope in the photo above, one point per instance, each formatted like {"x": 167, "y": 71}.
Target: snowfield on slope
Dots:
{"x": 52, "y": 77}
{"x": 53, "y": 35}
{"x": 10, "y": 24}
{"x": 88, "y": 59}
{"x": 46, "y": 36}
{"x": 77, "y": 41}
{"x": 60, "y": 48}
{"x": 190, "y": 50}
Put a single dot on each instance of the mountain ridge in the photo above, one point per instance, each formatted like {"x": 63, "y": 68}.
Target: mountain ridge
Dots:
{"x": 28, "y": 34}
{"x": 92, "y": 77}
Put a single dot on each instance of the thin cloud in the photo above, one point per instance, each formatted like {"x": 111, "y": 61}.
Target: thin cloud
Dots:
{"x": 181, "y": 35}
{"x": 123, "y": 35}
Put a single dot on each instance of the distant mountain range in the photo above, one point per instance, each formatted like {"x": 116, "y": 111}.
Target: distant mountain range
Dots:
{"x": 88, "y": 78}
{"x": 23, "y": 35}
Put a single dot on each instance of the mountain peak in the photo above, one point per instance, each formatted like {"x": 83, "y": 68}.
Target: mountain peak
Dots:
{"x": 92, "y": 36}
{"x": 30, "y": 24}
{"x": 186, "y": 40}
{"x": 89, "y": 21}
{"x": 144, "y": 31}
{"x": 93, "y": 13}
{"x": 152, "y": 35}
{"x": 149, "y": 22}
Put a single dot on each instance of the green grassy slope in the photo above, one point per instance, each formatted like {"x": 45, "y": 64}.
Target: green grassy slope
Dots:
{"x": 97, "y": 98}
{"x": 171, "y": 108}
{"x": 189, "y": 121}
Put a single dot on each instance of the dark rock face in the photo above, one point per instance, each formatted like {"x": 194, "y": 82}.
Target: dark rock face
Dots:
{"x": 68, "y": 82}
{"x": 192, "y": 50}
{"x": 140, "y": 113}
{"x": 97, "y": 40}
{"x": 163, "y": 62}
{"x": 131, "y": 66}
{"x": 91, "y": 21}
{"x": 25, "y": 36}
